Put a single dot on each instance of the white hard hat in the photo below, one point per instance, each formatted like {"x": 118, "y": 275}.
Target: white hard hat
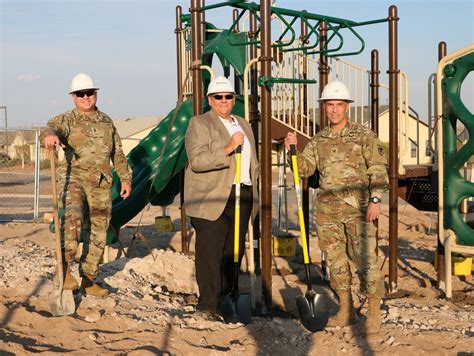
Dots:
{"x": 220, "y": 85}
{"x": 82, "y": 81}
{"x": 336, "y": 90}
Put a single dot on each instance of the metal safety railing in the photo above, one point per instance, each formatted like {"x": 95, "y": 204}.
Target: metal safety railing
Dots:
{"x": 357, "y": 79}
{"x": 184, "y": 36}
{"x": 288, "y": 98}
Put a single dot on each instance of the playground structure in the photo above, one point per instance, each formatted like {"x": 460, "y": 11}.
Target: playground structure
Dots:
{"x": 454, "y": 189}
{"x": 279, "y": 82}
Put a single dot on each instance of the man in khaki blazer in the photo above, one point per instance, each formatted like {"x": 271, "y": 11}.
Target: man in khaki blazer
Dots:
{"x": 209, "y": 190}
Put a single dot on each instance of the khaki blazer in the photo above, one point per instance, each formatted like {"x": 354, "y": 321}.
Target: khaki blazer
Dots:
{"x": 210, "y": 172}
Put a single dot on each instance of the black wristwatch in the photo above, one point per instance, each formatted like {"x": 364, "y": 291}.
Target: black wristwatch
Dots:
{"x": 375, "y": 200}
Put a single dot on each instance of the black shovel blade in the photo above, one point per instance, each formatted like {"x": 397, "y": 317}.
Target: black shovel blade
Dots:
{"x": 236, "y": 309}
{"x": 313, "y": 310}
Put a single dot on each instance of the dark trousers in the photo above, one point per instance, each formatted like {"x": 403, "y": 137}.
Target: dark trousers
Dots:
{"x": 215, "y": 250}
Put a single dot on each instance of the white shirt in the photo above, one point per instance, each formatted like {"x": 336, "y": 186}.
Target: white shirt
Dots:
{"x": 232, "y": 127}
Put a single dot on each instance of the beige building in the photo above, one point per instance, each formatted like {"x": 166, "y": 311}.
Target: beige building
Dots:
{"x": 23, "y": 145}
{"x": 133, "y": 130}
{"x": 409, "y": 131}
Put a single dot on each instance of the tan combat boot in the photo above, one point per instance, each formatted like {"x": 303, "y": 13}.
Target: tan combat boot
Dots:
{"x": 346, "y": 314}
{"x": 70, "y": 282}
{"x": 88, "y": 287}
{"x": 374, "y": 318}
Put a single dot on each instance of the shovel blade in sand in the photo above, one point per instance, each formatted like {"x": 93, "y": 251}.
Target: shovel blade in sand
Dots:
{"x": 313, "y": 310}
{"x": 236, "y": 308}
{"x": 62, "y": 303}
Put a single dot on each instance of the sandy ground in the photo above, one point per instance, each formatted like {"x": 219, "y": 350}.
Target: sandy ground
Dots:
{"x": 151, "y": 307}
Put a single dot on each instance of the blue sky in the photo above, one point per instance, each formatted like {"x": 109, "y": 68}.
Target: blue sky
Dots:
{"x": 129, "y": 49}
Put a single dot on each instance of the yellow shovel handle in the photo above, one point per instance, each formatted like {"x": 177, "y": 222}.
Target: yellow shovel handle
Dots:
{"x": 238, "y": 155}
{"x": 299, "y": 201}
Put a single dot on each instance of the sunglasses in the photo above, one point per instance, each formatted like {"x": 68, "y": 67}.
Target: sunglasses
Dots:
{"x": 220, "y": 97}
{"x": 81, "y": 94}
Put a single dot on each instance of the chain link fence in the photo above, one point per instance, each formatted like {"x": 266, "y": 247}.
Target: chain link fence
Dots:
{"x": 25, "y": 177}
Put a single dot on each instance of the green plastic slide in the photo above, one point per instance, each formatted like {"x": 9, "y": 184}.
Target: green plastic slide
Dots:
{"x": 154, "y": 181}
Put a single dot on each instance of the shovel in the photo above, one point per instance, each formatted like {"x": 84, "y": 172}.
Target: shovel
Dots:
{"x": 62, "y": 302}
{"x": 236, "y": 307}
{"x": 312, "y": 307}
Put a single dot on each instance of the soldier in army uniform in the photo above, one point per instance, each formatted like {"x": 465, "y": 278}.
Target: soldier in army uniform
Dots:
{"x": 90, "y": 141}
{"x": 351, "y": 163}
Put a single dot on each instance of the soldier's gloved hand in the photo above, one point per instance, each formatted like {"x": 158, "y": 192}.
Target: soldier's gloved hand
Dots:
{"x": 290, "y": 139}
{"x": 125, "y": 191}
{"x": 52, "y": 141}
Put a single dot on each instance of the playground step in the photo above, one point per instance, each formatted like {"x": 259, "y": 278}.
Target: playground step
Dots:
{"x": 422, "y": 193}
{"x": 424, "y": 201}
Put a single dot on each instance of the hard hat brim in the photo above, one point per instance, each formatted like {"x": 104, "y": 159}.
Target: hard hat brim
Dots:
{"x": 223, "y": 91}
{"x": 328, "y": 99}
{"x": 75, "y": 91}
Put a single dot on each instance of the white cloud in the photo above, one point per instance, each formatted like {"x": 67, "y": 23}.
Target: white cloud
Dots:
{"x": 28, "y": 77}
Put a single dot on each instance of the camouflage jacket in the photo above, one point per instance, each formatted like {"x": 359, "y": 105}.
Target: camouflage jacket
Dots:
{"x": 91, "y": 144}
{"x": 351, "y": 163}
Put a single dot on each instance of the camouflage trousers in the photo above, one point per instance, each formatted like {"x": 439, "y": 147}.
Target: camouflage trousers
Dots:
{"x": 85, "y": 200}
{"x": 345, "y": 236}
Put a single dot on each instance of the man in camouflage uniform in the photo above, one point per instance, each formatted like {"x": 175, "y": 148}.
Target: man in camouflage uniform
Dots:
{"x": 351, "y": 163}
{"x": 90, "y": 141}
